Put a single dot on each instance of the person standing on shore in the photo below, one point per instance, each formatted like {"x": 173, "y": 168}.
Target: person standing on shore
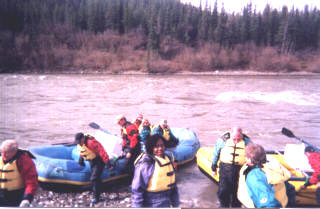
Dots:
{"x": 91, "y": 150}
{"x": 154, "y": 182}
{"x": 314, "y": 161}
{"x": 130, "y": 144}
{"x": 262, "y": 184}
{"x": 230, "y": 150}
{"x": 18, "y": 175}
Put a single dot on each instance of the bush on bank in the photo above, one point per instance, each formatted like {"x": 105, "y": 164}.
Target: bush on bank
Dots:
{"x": 65, "y": 51}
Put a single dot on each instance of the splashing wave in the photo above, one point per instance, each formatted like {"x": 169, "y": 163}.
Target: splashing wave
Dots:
{"x": 292, "y": 97}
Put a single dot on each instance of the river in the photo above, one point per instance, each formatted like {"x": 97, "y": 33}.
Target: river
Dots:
{"x": 46, "y": 109}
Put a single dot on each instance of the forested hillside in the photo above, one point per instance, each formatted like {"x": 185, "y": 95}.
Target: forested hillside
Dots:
{"x": 162, "y": 36}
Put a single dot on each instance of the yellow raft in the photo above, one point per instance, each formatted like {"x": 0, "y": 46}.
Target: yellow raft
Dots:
{"x": 304, "y": 197}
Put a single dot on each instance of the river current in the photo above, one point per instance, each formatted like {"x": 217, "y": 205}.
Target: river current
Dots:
{"x": 48, "y": 109}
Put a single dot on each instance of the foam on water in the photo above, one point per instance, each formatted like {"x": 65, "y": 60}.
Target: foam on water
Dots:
{"x": 42, "y": 77}
{"x": 292, "y": 97}
{"x": 62, "y": 98}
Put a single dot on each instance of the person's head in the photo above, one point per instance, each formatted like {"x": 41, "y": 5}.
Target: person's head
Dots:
{"x": 255, "y": 154}
{"x": 140, "y": 117}
{"x": 79, "y": 138}
{"x": 145, "y": 122}
{"x": 308, "y": 150}
{"x": 121, "y": 120}
{"x": 236, "y": 134}
{"x": 9, "y": 149}
{"x": 155, "y": 145}
{"x": 163, "y": 123}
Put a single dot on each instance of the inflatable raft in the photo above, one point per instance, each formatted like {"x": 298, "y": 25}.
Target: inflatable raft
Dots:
{"x": 304, "y": 197}
{"x": 58, "y": 164}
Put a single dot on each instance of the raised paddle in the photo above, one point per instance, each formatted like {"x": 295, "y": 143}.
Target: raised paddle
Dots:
{"x": 96, "y": 126}
{"x": 289, "y": 133}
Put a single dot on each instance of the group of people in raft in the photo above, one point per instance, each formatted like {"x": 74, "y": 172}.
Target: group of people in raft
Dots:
{"x": 245, "y": 176}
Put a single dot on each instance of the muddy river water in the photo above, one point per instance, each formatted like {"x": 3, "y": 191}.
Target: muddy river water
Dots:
{"x": 46, "y": 109}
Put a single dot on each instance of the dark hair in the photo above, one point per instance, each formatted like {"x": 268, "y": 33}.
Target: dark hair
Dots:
{"x": 152, "y": 141}
{"x": 256, "y": 153}
{"x": 309, "y": 149}
{"x": 78, "y": 137}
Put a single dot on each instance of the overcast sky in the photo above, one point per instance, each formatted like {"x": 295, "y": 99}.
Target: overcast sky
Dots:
{"x": 237, "y": 5}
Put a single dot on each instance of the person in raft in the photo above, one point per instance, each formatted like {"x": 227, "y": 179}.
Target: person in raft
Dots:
{"x": 144, "y": 132}
{"x": 91, "y": 150}
{"x": 164, "y": 130}
{"x": 262, "y": 183}
{"x": 138, "y": 121}
{"x": 314, "y": 161}
{"x": 229, "y": 149}
{"x": 154, "y": 181}
{"x": 130, "y": 144}
{"x": 18, "y": 175}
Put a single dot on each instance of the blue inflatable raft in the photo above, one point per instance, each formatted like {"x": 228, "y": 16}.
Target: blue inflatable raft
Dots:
{"x": 58, "y": 164}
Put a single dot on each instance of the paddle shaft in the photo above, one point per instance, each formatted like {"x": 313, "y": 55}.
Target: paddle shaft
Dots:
{"x": 96, "y": 126}
{"x": 289, "y": 133}
{"x": 307, "y": 143}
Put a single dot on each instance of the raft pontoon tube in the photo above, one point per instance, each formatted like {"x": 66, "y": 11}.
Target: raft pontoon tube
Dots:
{"x": 58, "y": 164}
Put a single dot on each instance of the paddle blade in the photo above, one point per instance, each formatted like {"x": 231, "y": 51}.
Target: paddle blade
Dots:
{"x": 94, "y": 125}
{"x": 287, "y": 132}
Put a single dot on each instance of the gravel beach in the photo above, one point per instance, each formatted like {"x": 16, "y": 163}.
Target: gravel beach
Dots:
{"x": 116, "y": 196}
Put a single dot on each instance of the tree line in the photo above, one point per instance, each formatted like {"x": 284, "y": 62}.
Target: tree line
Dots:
{"x": 289, "y": 30}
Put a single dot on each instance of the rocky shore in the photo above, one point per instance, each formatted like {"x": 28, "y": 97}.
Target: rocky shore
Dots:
{"x": 115, "y": 197}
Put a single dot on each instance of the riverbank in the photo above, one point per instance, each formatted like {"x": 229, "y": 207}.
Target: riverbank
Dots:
{"x": 116, "y": 197}
{"x": 182, "y": 73}
{"x": 110, "y": 53}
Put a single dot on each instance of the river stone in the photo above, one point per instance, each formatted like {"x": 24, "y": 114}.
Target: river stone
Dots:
{"x": 113, "y": 196}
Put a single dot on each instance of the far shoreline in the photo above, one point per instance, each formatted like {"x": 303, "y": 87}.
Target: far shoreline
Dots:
{"x": 208, "y": 73}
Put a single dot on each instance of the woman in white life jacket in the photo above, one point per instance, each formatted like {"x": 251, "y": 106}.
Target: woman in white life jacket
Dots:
{"x": 154, "y": 181}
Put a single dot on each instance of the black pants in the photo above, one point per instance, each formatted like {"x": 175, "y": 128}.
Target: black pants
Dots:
{"x": 97, "y": 166}
{"x": 11, "y": 198}
{"x": 318, "y": 195}
{"x": 228, "y": 185}
{"x": 135, "y": 153}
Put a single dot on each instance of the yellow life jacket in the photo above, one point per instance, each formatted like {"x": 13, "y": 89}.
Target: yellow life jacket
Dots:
{"x": 10, "y": 177}
{"x": 163, "y": 177}
{"x": 233, "y": 153}
{"x": 165, "y": 134}
{"x": 124, "y": 131}
{"x": 85, "y": 152}
{"x": 276, "y": 175}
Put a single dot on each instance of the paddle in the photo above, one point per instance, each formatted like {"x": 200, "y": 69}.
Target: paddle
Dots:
{"x": 289, "y": 133}
{"x": 96, "y": 126}
{"x": 67, "y": 144}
